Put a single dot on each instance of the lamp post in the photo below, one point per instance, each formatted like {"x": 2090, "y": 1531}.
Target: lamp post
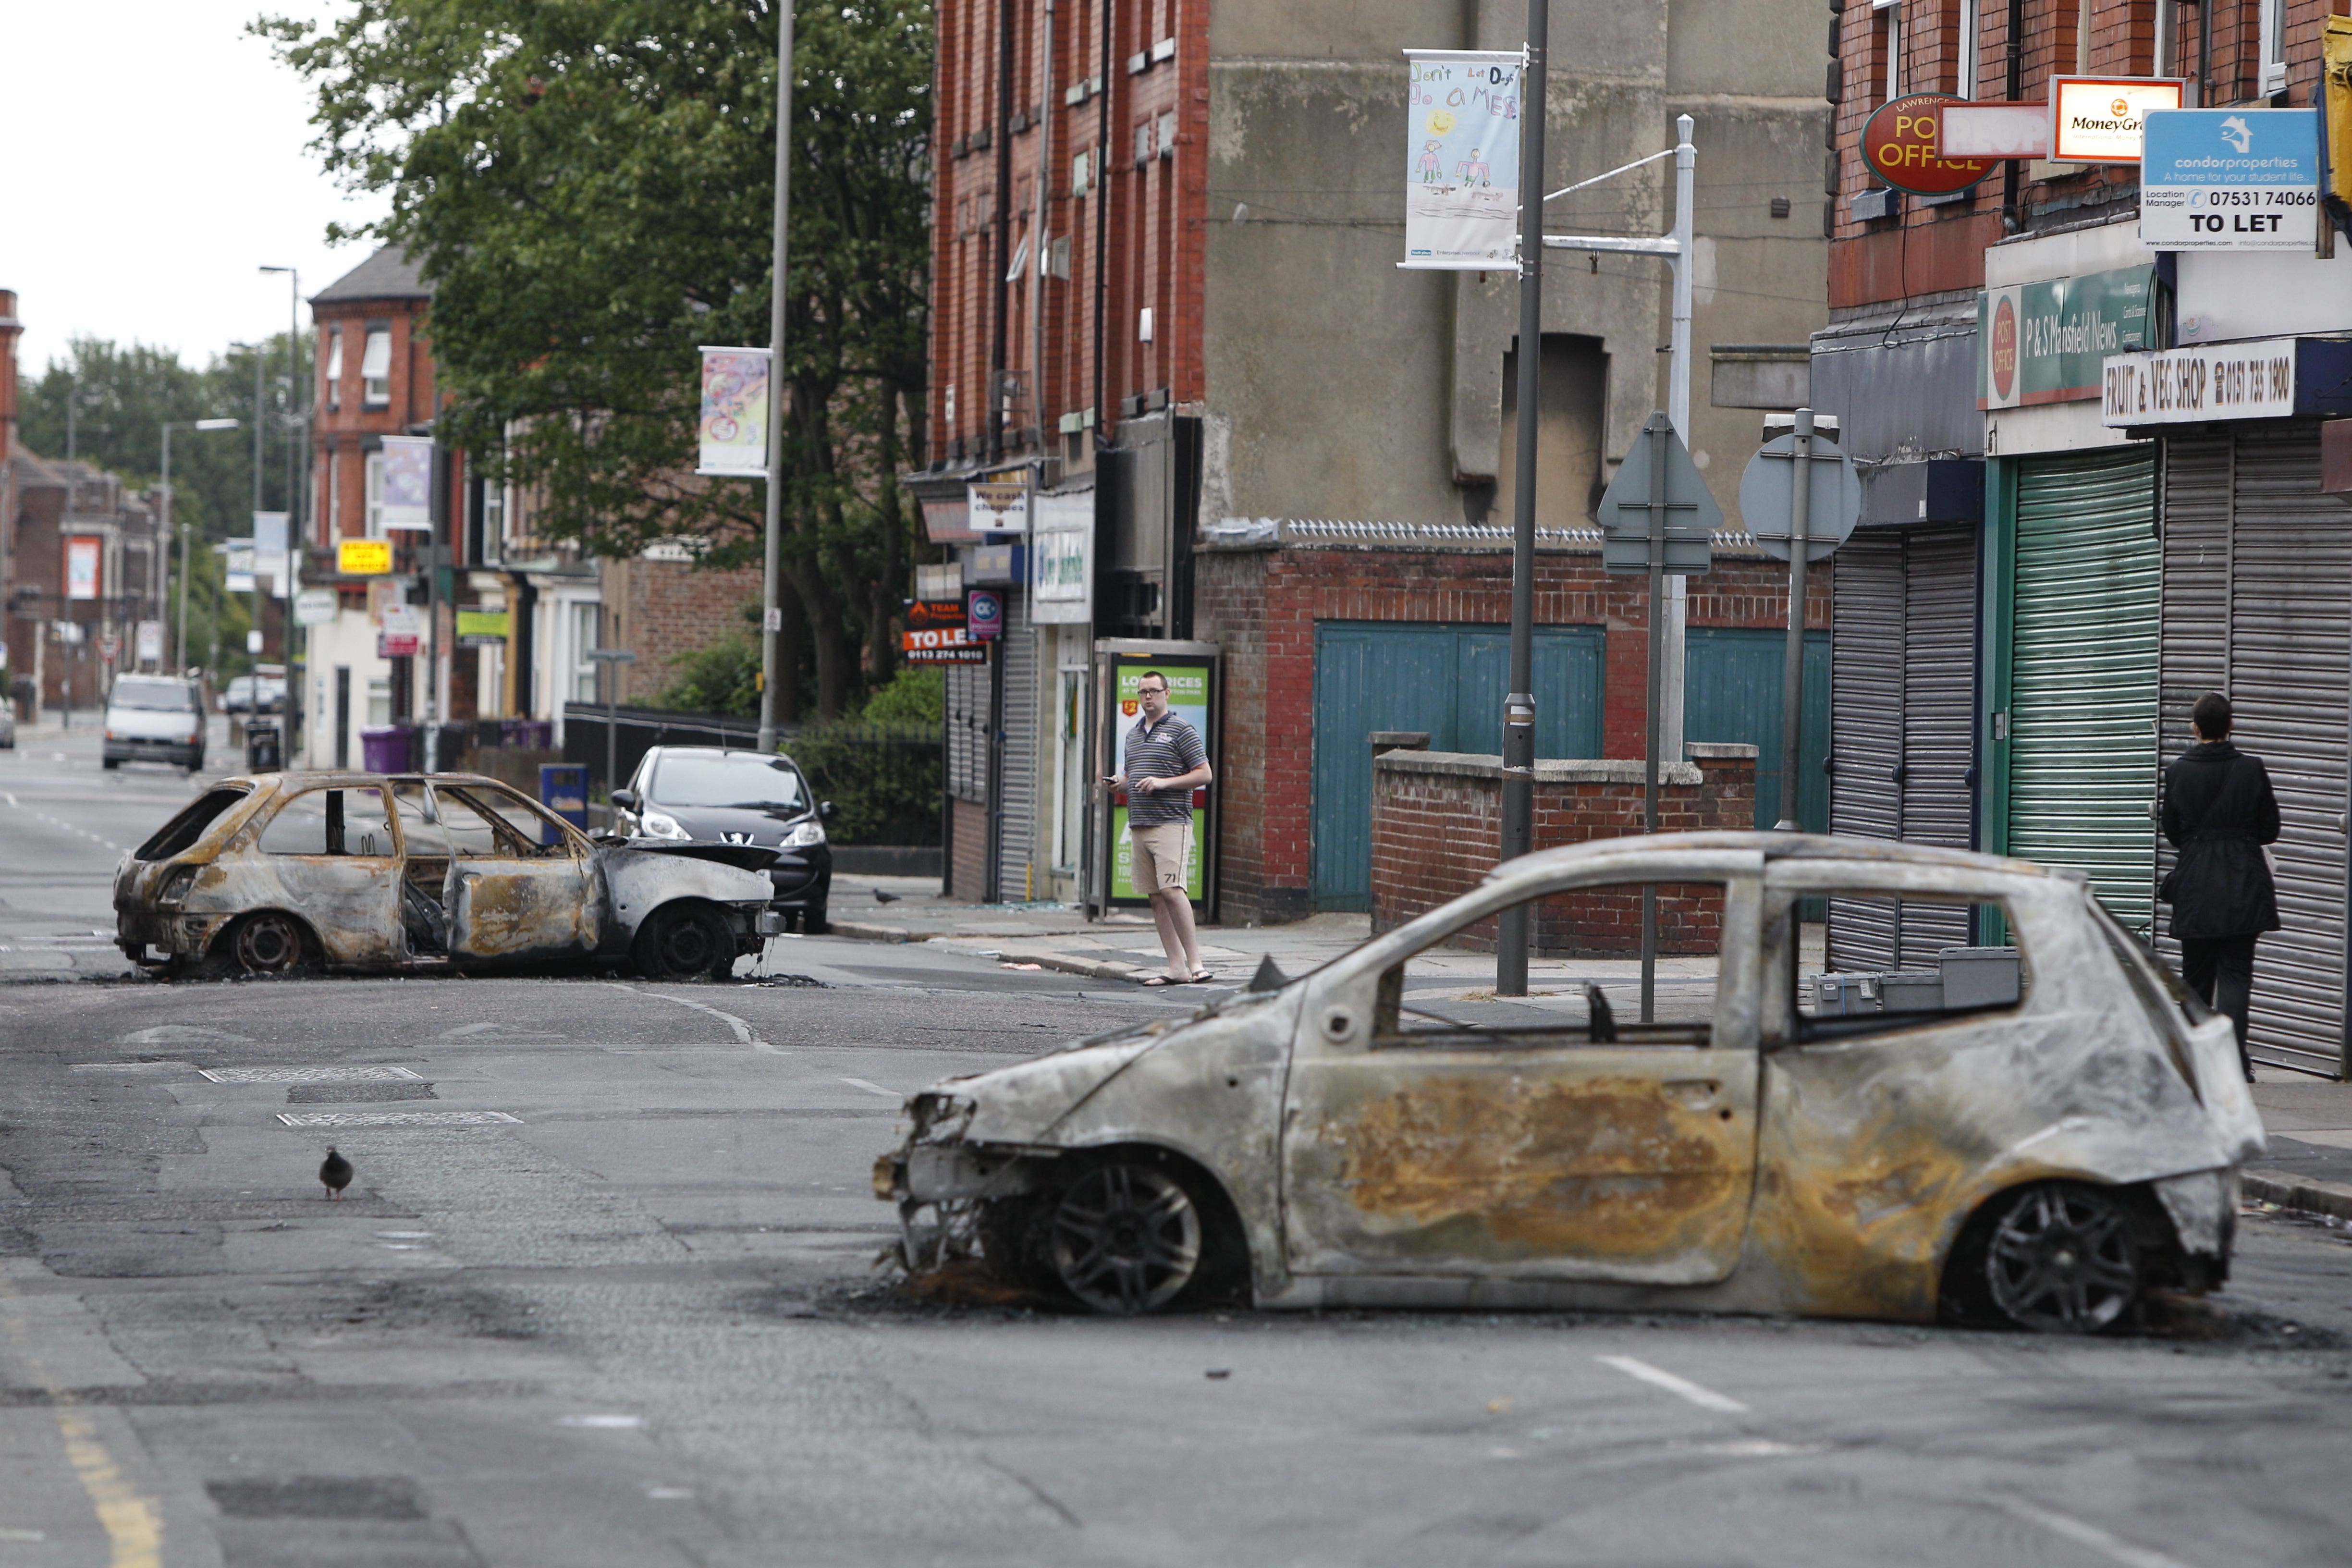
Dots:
{"x": 259, "y": 351}
{"x": 180, "y": 642}
{"x": 298, "y": 448}
{"x": 772, "y": 615}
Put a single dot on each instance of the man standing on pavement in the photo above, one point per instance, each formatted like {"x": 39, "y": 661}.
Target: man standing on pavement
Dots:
{"x": 2218, "y": 812}
{"x": 1165, "y": 764}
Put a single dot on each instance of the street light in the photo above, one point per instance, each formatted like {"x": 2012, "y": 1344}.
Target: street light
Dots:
{"x": 298, "y": 447}
{"x": 260, "y": 352}
{"x": 180, "y": 643}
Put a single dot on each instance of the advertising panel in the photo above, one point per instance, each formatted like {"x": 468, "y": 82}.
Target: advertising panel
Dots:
{"x": 2231, "y": 179}
{"x": 83, "y": 555}
{"x": 2100, "y": 120}
{"x": 408, "y": 483}
{"x": 1062, "y": 540}
{"x": 403, "y": 631}
{"x": 362, "y": 557}
{"x": 482, "y": 629}
{"x": 734, "y": 417}
{"x": 2215, "y": 381}
{"x": 1460, "y": 160}
{"x": 314, "y": 606}
{"x": 1190, "y": 684}
{"x": 269, "y": 551}
{"x": 998, "y": 505}
{"x": 148, "y": 647}
{"x": 935, "y": 634}
{"x": 983, "y": 614}
{"x": 2047, "y": 342}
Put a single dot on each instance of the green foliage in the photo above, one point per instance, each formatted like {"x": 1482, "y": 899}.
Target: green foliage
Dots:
{"x": 918, "y": 694}
{"x": 884, "y": 780}
{"x": 588, "y": 186}
{"x": 723, "y": 678}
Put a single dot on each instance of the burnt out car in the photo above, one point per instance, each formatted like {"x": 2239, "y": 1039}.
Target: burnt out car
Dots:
{"x": 293, "y": 872}
{"x": 1382, "y": 1132}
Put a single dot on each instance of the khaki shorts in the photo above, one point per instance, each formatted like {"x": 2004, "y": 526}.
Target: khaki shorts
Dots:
{"x": 1158, "y": 859}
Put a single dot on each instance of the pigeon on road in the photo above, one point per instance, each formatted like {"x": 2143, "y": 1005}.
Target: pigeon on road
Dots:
{"x": 335, "y": 1171}
{"x": 882, "y": 897}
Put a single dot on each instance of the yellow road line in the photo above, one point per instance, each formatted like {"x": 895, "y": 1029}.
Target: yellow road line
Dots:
{"x": 134, "y": 1524}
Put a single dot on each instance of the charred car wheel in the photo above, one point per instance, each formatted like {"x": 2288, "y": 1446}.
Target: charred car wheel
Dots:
{"x": 269, "y": 943}
{"x": 2060, "y": 1258}
{"x": 683, "y": 941}
{"x": 1127, "y": 1237}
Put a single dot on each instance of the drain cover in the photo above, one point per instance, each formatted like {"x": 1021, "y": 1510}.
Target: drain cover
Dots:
{"x": 348, "y": 1093}
{"x": 319, "y": 1496}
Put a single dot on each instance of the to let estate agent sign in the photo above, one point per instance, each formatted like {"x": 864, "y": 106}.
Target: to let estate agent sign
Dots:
{"x": 2231, "y": 179}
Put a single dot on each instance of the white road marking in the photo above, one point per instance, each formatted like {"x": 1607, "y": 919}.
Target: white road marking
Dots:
{"x": 743, "y": 1031}
{"x": 872, "y": 1087}
{"x": 1682, "y": 1387}
{"x": 307, "y": 1075}
{"x": 394, "y": 1118}
{"x": 498, "y": 1031}
{"x": 2113, "y": 1547}
{"x": 604, "y": 1423}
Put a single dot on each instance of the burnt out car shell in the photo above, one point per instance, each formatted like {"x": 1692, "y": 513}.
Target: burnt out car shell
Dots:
{"x": 176, "y": 894}
{"x": 1830, "y": 1176}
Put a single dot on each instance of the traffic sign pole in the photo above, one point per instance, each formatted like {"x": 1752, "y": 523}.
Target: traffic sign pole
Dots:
{"x": 1657, "y": 686}
{"x": 1792, "y": 669}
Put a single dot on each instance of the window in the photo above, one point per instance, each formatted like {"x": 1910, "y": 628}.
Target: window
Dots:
{"x": 379, "y": 702}
{"x": 2082, "y": 37}
{"x": 330, "y": 821}
{"x": 521, "y": 830}
{"x": 184, "y": 829}
{"x": 371, "y": 466}
{"x": 2274, "y": 47}
{"x": 334, "y": 528}
{"x": 1962, "y": 982}
{"x": 2167, "y": 54}
{"x": 494, "y": 522}
{"x": 1890, "y": 44}
{"x": 334, "y": 367}
{"x": 375, "y": 368}
{"x": 587, "y": 622}
{"x": 739, "y": 779}
{"x": 1443, "y": 997}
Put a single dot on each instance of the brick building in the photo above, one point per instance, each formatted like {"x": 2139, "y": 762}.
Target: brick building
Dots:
{"x": 1218, "y": 348}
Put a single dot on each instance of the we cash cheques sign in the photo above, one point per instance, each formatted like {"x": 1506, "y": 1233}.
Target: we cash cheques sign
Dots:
{"x": 2047, "y": 343}
{"x": 2216, "y": 381}
{"x": 2231, "y": 179}
{"x": 1462, "y": 160}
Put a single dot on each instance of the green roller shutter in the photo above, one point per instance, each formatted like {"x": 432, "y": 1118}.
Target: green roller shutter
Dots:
{"x": 2083, "y": 672}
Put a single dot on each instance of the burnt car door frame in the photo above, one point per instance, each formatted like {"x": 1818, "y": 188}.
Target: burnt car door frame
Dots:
{"x": 1506, "y": 1161}
{"x": 519, "y": 900}
{"x": 350, "y": 900}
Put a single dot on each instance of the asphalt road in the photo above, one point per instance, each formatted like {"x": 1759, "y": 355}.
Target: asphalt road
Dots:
{"x": 616, "y": 1307}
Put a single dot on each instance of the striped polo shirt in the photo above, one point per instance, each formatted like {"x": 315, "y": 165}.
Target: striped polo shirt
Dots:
{"x": 1162, "y": 751}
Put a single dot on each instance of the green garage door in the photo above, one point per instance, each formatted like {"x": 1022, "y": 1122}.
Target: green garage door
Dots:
{"x": 2083, "y": 672}
{"x": 1447, "y": 680}
{"x": 1732, "y": 692}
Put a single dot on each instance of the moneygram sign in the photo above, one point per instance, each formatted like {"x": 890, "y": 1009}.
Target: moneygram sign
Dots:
{"x": 2231, "y": 179}
{"x": 2102, "y": 119}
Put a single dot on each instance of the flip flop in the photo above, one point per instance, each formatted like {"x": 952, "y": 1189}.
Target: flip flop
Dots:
{"x": 1160, "y": 980}
{"x": 1202, "y": 978}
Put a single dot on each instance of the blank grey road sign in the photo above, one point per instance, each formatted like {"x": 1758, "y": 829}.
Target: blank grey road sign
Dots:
{"x": 1692, "y": 516}
{"x": 1832, "y": 504}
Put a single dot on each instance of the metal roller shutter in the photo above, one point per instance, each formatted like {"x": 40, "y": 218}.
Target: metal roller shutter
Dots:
{"x": 967, "y": 703}
{"x": 2083, "y": 673}
{"x": 2195, "y": 656}
{"x": 1017, "y": 865}
{"x": 2290, "y": 632}
{"x": 1866, "y": 688}
{"x": 1939, "y": 710}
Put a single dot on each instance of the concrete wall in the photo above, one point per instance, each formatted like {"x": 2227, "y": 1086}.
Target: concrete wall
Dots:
{"x": 1339, "y": 385}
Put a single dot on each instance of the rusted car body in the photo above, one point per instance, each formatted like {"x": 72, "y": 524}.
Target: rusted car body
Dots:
{"x": 2045, "y": 1160}
{"x": 297, "y": 871}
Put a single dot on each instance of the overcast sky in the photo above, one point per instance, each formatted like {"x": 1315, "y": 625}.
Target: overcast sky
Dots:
{"x": 155, "y": 159}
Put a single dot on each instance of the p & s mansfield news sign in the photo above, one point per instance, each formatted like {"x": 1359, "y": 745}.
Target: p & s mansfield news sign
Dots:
{"x": 2231, "y": 179}
{"x": 2045, "y": 343}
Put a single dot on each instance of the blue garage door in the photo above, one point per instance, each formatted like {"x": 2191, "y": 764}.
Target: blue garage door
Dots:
{"x": 1731, "y": 692}
{"x": 1448, "y": 680}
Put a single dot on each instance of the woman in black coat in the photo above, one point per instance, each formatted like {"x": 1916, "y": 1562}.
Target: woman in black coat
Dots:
{"x": 2218, "y": 812}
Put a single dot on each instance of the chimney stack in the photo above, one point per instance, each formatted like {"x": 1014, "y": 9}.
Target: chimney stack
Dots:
{"x": 9, "y": 328}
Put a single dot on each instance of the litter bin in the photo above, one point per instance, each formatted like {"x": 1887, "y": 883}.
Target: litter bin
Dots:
{"x": 389, "y": 750}
{"x": 262, "y": 752}
{"x": 563, "y": 790}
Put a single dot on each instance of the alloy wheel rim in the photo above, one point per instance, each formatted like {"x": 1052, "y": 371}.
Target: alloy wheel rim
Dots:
{"x": 1126, "y": 1239}
{"x": 2061, "y": 1261}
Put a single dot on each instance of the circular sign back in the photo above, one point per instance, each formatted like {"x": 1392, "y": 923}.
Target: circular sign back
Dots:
{"x": 1898, "y": 142}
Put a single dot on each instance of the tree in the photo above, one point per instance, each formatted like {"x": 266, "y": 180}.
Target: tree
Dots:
{"x": 588, "y": 187}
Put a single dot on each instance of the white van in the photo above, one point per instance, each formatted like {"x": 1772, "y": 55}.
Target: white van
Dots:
{"x": 155, "y": 719}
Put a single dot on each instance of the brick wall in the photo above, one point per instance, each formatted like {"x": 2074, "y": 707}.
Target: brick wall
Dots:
{"x": 1436, "y": 818}
{"x": 1262, "y": 606}
{"x": 661, "y": 609}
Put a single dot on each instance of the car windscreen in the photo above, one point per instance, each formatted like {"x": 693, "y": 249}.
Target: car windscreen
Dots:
{"x": 157, "y": 696}
{"x": 742, "y": 779}
{"x": 188, "y": 826}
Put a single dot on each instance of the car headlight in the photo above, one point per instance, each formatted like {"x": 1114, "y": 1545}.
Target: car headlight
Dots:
{"x": 804, "y": 835}
{"x": 662, "y": 825}
{"x": 177, "y": 885}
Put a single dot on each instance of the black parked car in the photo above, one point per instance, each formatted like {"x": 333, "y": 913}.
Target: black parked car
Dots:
{"x": 711, "y": 794}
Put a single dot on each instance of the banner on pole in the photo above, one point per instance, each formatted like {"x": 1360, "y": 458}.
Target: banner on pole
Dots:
{"x": 408, "y": 483}
{"x": 734, "y": 423}
{"x": 271, "y": 558}
{"x": 1462, "y": 160}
